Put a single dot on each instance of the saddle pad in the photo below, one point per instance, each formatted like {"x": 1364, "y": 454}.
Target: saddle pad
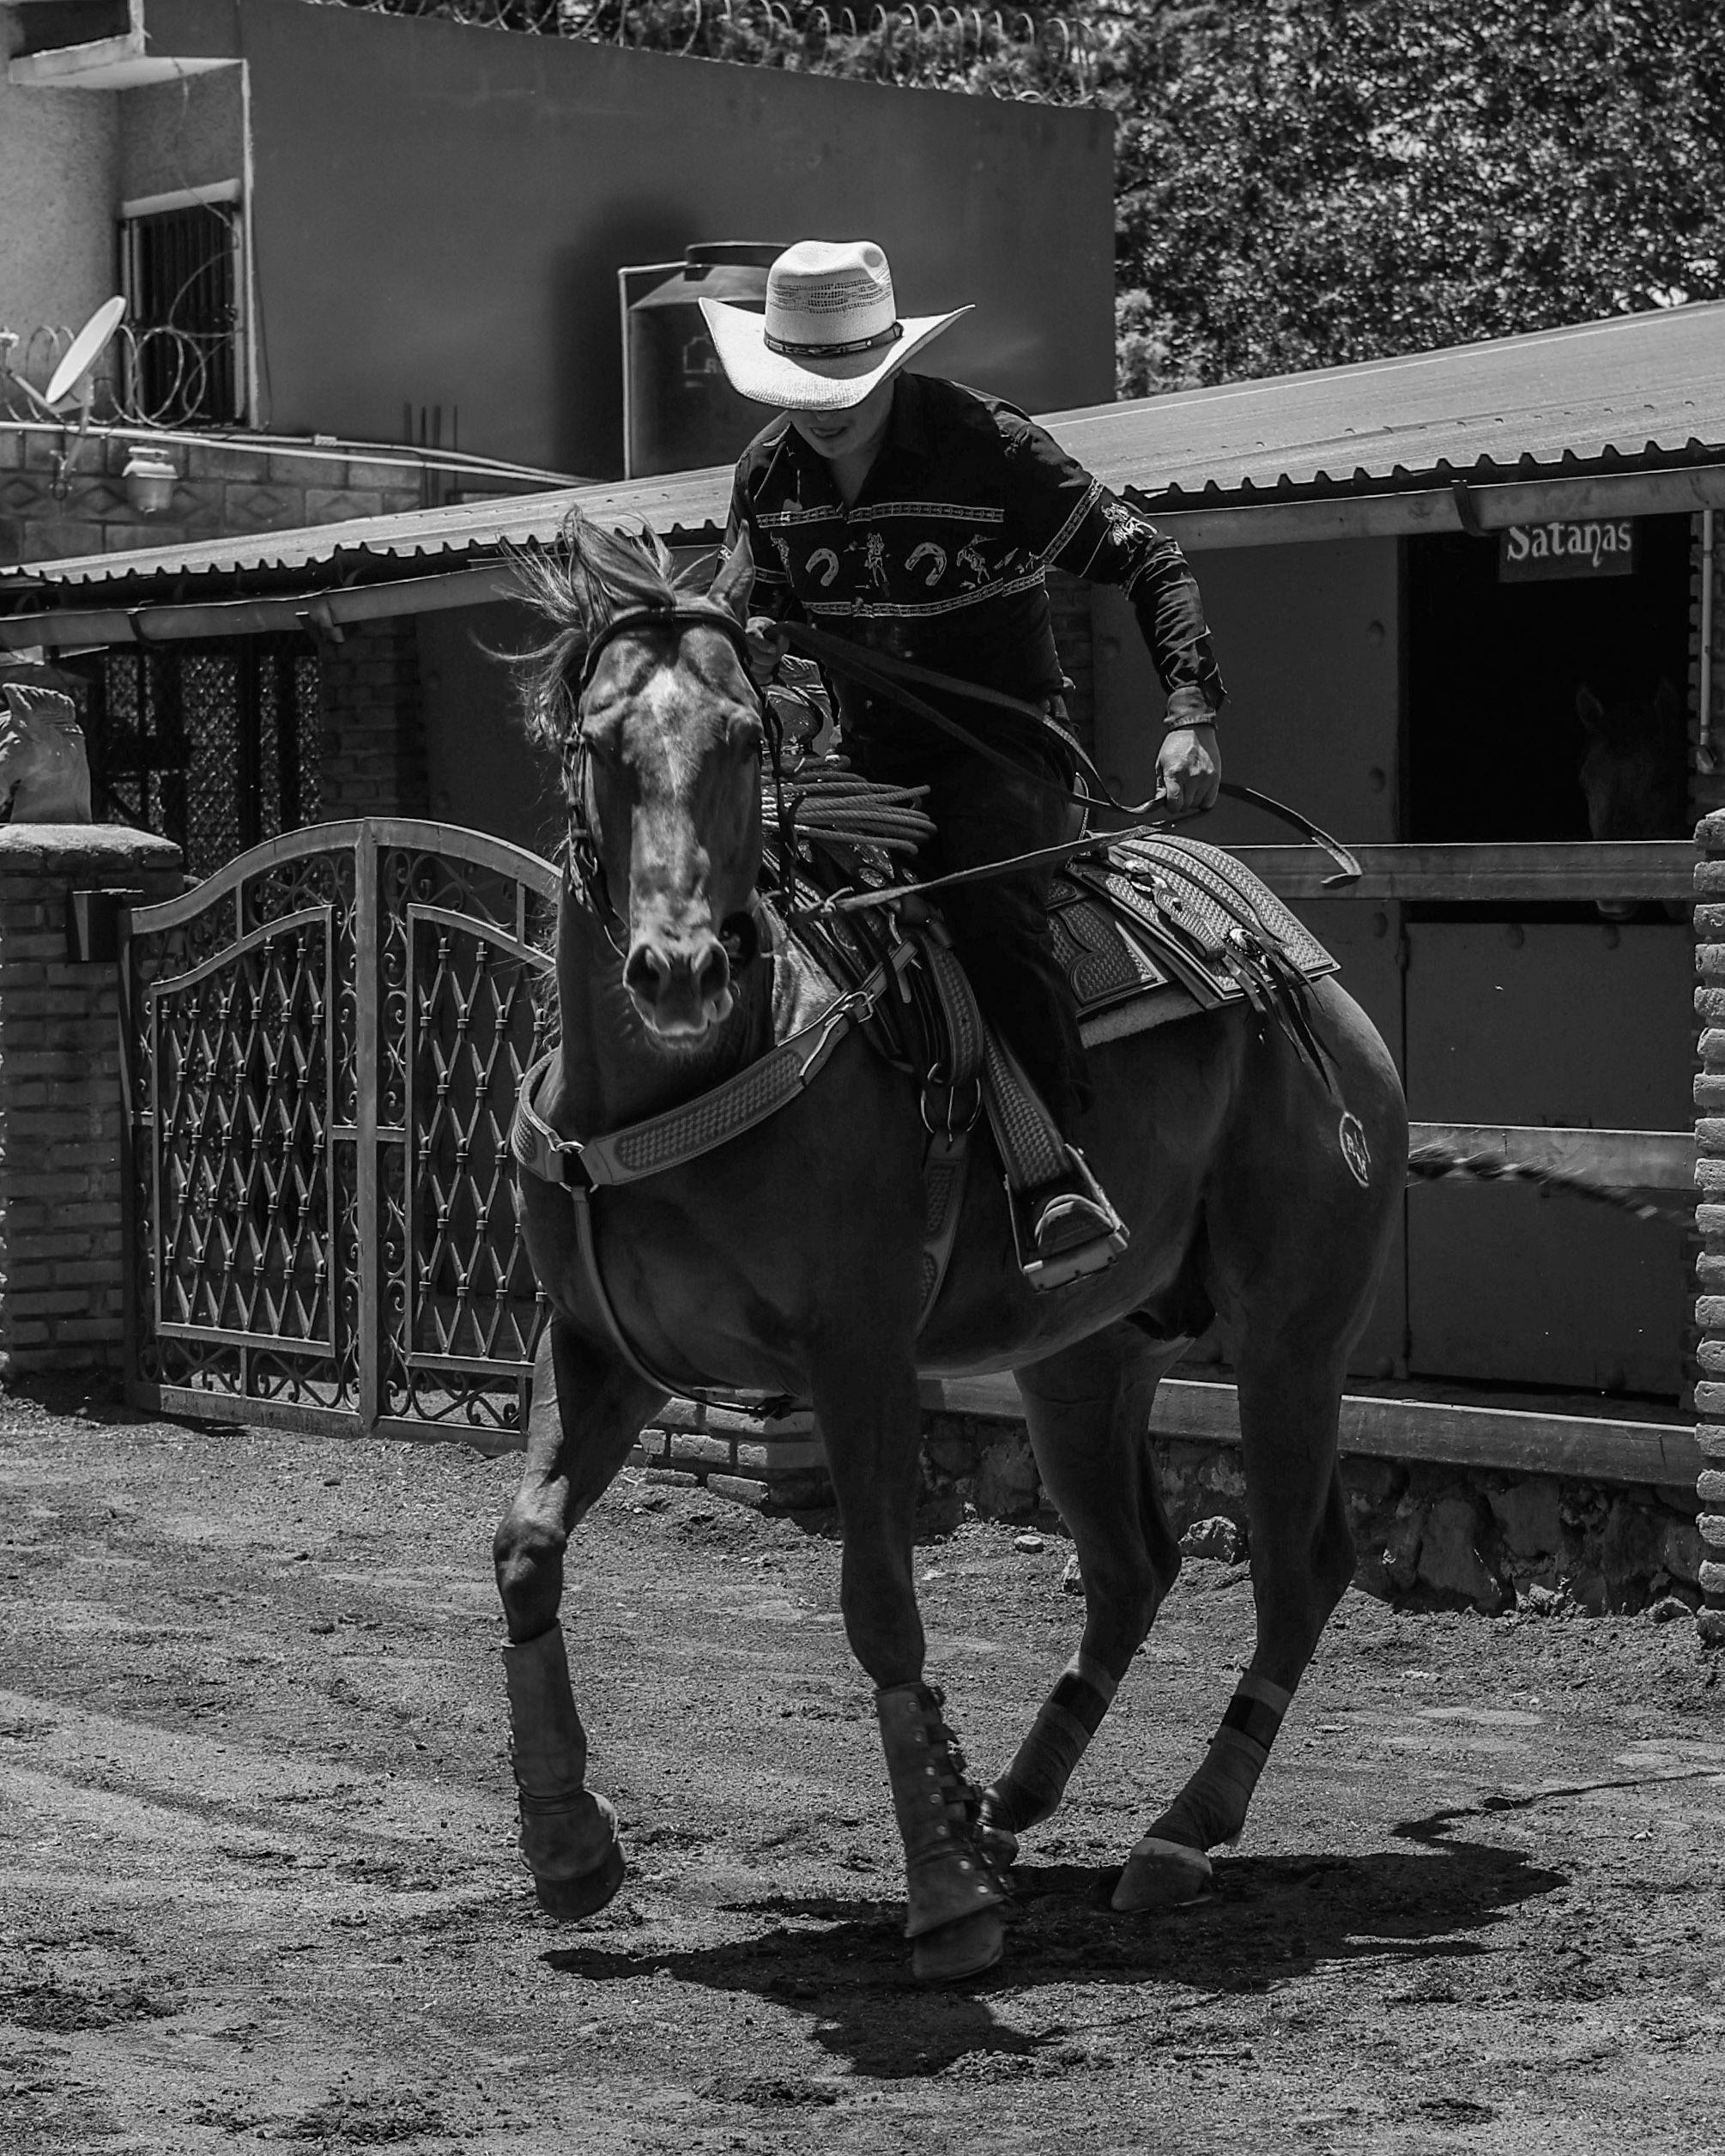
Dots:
{"x": 1153, "y": 929}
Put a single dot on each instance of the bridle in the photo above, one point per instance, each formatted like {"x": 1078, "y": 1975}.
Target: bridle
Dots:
{"x": 585, "y": 869}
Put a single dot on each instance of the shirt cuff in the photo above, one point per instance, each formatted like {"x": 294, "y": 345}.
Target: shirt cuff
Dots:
{"x": 1188, "y": 706}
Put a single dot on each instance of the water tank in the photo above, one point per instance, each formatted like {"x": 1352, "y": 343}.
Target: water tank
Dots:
{"x": 679, "y": 411}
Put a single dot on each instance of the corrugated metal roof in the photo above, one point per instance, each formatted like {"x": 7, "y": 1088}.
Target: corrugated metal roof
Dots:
{"x": 1644, "y": 392}
{"x": 1637, "y": 390}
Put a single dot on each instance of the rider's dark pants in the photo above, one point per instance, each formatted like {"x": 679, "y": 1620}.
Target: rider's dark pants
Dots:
{"x": 1000, "y": 928}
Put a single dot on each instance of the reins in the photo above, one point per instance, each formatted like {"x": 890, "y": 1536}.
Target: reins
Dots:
{"x": 889, "y": 676}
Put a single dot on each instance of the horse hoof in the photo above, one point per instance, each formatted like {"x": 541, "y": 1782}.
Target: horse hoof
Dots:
{"x": 998, "y": 1843}
{"x": 964, "y": 1947}
{"x": 1161, "y": 1875}
{"x": 581, "y": 1896}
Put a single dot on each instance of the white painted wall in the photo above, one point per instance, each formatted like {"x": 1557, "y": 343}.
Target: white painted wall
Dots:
{"x": 59, "y": 170}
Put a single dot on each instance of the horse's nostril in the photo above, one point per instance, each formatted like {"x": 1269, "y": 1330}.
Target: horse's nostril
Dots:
{"x": 645, "y": 970}
{"x": 712, "y": 977}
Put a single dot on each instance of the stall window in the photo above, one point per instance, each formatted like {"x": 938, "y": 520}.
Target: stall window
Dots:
{"x": 1523, "y": 653}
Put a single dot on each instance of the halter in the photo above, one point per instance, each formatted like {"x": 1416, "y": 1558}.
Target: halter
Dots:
{"x": 586, "y": 870}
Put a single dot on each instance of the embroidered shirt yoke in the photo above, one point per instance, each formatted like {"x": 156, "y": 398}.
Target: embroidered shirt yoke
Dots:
{"x": 944, "y": 558}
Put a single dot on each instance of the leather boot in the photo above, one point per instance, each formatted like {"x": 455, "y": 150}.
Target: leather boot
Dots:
{"x": 952, "y": 1898}
{"x": 568, "y": 1836}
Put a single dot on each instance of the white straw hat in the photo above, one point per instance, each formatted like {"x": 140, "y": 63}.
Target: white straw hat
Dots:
{"x": 831, "y": 331}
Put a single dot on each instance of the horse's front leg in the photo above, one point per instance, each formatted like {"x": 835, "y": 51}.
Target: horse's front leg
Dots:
{"x": 587, "y": 1411}
{"x": 868, "y": 1407}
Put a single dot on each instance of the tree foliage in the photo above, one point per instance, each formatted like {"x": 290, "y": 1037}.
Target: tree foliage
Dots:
{"x": 1303, "y": 182}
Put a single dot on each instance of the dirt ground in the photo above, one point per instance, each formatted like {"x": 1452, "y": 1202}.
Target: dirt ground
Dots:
{"x": 257, "y": 1881}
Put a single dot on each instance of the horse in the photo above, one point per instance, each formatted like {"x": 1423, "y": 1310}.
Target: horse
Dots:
{"x": 1635, "y": 773}
{"x": 786, "y": 1262}
{"x": 44, "y": 771}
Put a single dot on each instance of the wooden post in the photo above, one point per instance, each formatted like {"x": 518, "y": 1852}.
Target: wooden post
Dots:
{"x": 1710, "y": 1140}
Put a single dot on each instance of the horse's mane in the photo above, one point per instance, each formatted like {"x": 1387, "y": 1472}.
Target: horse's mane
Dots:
{"x": 577, "y": 585}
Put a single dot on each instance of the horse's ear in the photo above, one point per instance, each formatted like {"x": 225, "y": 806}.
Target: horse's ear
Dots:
{"x": 1589, "y": 710}
{"x": 736, "y": 580}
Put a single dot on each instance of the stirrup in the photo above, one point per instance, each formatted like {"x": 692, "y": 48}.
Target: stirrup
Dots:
{"x": 1067, "y": 1229}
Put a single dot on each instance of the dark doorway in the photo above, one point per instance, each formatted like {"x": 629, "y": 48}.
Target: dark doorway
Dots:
{"x": 1494, "y": 741}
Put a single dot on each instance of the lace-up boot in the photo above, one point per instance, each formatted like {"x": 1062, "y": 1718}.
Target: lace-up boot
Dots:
{"x": 952, "y": 1896}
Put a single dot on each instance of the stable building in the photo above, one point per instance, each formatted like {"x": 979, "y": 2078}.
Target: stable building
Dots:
{"x": 1428, "y": 578}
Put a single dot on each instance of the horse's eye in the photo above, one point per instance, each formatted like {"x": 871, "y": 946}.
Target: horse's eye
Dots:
{"x": 747, "y": 737}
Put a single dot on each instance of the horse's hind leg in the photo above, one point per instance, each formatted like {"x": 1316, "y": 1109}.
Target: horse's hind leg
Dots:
{"x": 1088, "y": 1409}
{"x": 1302, "y": 1561}
{"x": 586, "y": 1414}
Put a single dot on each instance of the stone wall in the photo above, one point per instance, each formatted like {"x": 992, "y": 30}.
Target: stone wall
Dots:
{"x": 225, "y": 488}
{"x": 62, "y": 1240}
{"x": 1710, "y": 1218}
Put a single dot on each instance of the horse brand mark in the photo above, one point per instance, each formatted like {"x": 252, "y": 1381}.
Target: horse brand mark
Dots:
{"x": 1538, "y": 553}
{"x": 1354, "y": 1149}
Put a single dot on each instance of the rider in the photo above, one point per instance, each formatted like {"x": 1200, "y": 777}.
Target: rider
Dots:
{"x": 920, "y": 518}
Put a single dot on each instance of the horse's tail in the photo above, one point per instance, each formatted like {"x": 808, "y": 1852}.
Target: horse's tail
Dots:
{"x": 1436, "y": 1163}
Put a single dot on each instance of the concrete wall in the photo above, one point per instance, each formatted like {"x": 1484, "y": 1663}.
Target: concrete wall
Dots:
{"x": 439, "y": 213}
{"x": 187, "y": 133}
{"x": 59, "y": 165}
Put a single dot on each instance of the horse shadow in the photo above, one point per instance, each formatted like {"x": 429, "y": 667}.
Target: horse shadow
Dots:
{"x": 1270, "y": 1921}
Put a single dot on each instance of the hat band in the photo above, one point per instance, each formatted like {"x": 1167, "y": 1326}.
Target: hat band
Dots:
{"x": 890, "y": 334}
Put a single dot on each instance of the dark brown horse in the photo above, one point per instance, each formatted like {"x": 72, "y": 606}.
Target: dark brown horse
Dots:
{"x": 787, "y": 1260}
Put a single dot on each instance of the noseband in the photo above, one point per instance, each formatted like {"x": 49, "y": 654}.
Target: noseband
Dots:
{"x": 586, "y": 870}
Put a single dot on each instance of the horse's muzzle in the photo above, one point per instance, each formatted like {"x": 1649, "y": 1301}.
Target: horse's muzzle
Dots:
{"x": 680, "y": 994}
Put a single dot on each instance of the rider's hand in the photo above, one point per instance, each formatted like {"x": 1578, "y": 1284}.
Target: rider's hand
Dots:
{"x": 1188, "y": 768}
{"x": 766, "y": 647}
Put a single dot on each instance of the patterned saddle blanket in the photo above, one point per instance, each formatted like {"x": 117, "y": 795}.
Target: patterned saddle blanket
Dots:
{"x": 1156, "y": 928}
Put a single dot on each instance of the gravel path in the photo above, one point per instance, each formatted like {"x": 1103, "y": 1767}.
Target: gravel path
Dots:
{"x": 257, "y": 1881}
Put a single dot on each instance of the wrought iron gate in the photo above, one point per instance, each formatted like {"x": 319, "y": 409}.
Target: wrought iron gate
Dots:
{"x": 324, "y": 1041}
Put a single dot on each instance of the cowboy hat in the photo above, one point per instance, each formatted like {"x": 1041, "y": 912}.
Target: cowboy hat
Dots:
{"x": 832, "y": 330}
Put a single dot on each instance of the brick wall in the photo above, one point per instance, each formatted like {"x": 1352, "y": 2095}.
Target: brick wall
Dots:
{"x": 225, "y": 488}
{"x": 1709, "y": 1132}
{"x": 62, "y": 1249}
{"x": 373, "y": 748}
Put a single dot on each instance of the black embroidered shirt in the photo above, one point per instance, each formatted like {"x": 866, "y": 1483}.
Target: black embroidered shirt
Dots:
{"x": 944, "y": 557}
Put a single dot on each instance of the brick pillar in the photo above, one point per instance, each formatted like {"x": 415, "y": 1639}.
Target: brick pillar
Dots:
{"x": 374, "y": 757}
{"x": 61, "y": 1250}
{"x": 1710, "y": 1136}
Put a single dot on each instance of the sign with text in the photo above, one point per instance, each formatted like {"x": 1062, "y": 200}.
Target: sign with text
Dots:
{"x": 1541, "y": 554}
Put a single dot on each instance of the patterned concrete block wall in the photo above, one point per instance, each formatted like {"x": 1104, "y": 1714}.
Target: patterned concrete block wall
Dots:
{"x": 224, "y": 488}
{"x": 61, "y": 1250}
{"x": 1710, "y": 1132}
{"x": 374, "y": 744}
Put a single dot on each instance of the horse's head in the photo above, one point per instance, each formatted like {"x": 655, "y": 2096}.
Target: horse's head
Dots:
{"x": 645, "y": 694}
{"x": 1634, "y": 771}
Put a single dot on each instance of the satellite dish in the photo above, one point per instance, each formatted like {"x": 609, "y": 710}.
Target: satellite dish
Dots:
{"x": 70, "y": 380}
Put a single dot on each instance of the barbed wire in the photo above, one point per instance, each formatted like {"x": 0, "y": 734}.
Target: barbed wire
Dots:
{"x": 1012, "y": 52}
{"x": 152, "y": 376}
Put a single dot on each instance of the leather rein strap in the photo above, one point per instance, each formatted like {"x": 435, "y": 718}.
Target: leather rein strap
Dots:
{"x": 889, "y": 676}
